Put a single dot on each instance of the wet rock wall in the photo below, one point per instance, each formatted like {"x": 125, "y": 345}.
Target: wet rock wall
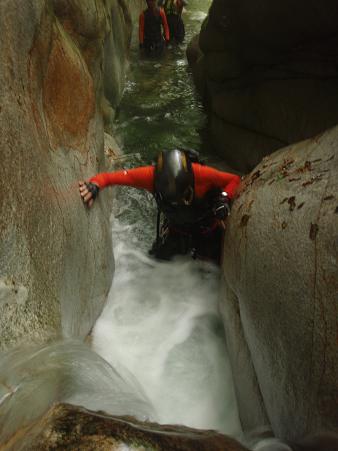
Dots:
{"x": 280, "y": 290}
{"x": 61, "y": 78}
{"x": 268, "y": 74}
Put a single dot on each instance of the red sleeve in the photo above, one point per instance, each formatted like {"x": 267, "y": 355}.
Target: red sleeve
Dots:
{"x": 165, "y": 24}
{"x": 141, "y": 28}
{"x": 142, "y": 178}
{"x": 207, "y": 178}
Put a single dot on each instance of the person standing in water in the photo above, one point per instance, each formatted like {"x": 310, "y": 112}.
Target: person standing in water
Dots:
{"x": 151, "y": 23}
{"x": 193, "y": 199}
{"x": 173, "y": 10}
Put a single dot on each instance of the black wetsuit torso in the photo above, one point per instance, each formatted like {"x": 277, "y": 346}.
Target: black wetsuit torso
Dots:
{"x": 188, "y": 228}
{"x": 152, "y": 30}
{"x": 185, "y": 217}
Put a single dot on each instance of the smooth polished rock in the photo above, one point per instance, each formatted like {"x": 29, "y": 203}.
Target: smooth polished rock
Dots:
{"x": 268, "y": 75}
{"x": 55, "y": 63}
{"x": 280, "y": 271}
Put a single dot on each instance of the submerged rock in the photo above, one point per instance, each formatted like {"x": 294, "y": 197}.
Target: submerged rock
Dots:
{"x": 71, "y": 427}
{"x": 280, "y": 289}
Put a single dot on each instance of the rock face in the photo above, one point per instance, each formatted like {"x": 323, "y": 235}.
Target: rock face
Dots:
{"x": 281, "y": 284}
{"x": 69, "y": 427}
{"x": 61, "y": 74}
{"x": 268, "y": 73}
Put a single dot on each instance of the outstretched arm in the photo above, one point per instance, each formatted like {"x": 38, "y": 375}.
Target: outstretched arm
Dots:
{"x": 207, "y": 178}
{"x": 142, "y": 178}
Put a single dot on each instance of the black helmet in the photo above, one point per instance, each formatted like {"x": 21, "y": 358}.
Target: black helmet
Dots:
{"x": 174, "y": 178}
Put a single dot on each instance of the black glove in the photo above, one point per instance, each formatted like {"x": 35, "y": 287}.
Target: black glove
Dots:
{"x": 92, "y": 188}
{"x": 221, "y": 206}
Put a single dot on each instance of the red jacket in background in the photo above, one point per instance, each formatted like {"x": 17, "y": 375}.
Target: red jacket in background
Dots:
{"x": 164, "y": 24}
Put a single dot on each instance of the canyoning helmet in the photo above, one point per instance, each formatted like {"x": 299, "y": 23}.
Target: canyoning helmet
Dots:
{"x": 174, "y": 178}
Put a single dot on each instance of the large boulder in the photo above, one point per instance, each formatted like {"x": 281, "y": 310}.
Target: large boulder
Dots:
{"x": 268, "y": 74}
{"x": 281, "y": 283}
{"x": 56, "y": 260}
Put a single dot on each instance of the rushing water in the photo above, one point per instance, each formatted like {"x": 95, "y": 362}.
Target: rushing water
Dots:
{"x": 35, "y": 377}
{"x": 161, "y": 322}
{"x": 158, "y": 349}
{"x": 160, "y": 108}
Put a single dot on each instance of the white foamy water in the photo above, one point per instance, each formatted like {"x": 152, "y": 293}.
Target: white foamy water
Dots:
{"x": 198, "y": 16}
{"x": 161, "y": 323}
{"x": 35, "y": 377}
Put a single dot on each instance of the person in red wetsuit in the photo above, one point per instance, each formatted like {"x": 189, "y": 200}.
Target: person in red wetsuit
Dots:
{"x": 194, "y": 200}
{"x": 173, "y": 10}
{"x": 151, "y": 22}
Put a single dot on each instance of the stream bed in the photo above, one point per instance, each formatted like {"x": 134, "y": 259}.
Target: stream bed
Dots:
{"x": 161, "y": 322}
{"x": 158, "y": 350}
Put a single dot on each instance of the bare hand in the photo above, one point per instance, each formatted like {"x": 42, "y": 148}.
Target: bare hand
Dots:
{"x": 222, "y": 223}
{"x": 86, "y": 195}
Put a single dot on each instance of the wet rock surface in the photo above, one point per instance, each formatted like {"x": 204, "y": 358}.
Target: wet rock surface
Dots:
{"x": 268, "y": 74}
{"x": 62, "y": 73}
{"x": 280, "y": 272}
{"x": 71, "y": 427}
